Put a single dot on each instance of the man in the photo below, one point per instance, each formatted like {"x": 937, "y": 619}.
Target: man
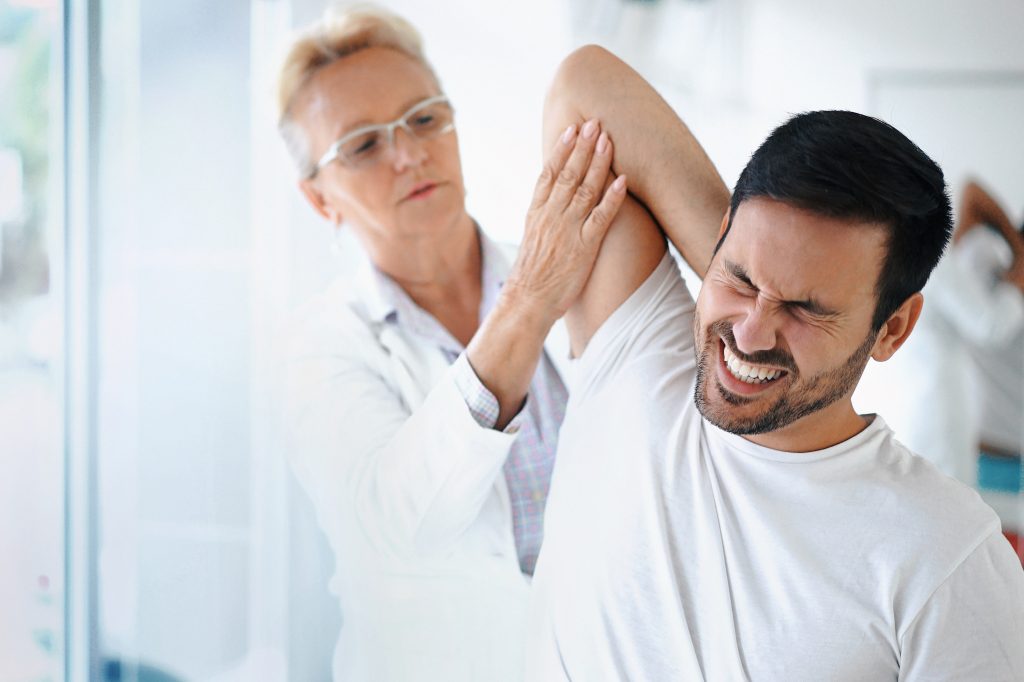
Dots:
{"x": 718, "y": 509}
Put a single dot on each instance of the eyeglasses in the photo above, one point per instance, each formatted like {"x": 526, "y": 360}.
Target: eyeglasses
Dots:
{"x": 365, "y": 146}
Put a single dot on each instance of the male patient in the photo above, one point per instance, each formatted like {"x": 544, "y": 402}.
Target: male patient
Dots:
{"x": 719, "y": 510}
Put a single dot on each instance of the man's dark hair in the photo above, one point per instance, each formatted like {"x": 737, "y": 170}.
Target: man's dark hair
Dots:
{"x": 846, "y": 165}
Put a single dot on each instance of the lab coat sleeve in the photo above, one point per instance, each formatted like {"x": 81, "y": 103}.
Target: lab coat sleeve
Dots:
{"x": 972, "y": 626}
{"x": 412, "y": 479}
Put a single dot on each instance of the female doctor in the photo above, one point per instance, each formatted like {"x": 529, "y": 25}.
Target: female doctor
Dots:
{"x": 425, "y": 399}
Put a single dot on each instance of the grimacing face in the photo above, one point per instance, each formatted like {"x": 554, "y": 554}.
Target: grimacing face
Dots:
{"x": 782, "y": 329}
{"x": 416, "y": 191}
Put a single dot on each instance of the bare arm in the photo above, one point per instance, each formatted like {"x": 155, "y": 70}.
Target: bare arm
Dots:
{"x": 672, "y": 182}
{"x": 668, "y": 170}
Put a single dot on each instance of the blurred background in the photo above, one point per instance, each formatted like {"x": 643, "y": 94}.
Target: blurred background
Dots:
{"x": 153, "y": 246}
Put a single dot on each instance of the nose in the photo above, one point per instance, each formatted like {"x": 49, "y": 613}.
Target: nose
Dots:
{"x": 407, "y": 150}
{"x": 756, "y": 330}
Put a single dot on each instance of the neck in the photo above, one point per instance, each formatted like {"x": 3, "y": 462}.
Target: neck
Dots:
{"x": 823, "y": 429}
{"x": 444, "y": 276}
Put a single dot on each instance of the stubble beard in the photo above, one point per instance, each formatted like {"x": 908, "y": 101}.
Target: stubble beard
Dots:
{"x": 801, "y": 399}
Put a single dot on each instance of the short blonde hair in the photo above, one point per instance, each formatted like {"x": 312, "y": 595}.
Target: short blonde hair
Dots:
{"x": 343, "y": 30}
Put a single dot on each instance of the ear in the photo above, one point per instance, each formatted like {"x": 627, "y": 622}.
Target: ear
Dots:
{"x": 316, "y": 199}
{"x": 724, "y": 225}
{"x": 897, "y": 328}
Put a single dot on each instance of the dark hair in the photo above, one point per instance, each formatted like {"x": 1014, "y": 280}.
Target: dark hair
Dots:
{"x": 846, "y": 165}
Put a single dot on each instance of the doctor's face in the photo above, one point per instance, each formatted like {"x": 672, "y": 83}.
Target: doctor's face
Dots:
{"x": 782, "y": 328}
{"x": 414, "y": 189}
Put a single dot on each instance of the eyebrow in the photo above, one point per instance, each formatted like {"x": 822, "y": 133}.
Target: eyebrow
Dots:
{"x": 811, "y": 304}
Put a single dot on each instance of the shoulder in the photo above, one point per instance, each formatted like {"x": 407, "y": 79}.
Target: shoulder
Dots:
{"x": 927, "y": 498}
{"x": 335, "y": 319}
{"x": 933, "y": 522}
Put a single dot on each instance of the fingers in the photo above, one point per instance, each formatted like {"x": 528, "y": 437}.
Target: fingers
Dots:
{"x": 595, "y": 180}
{"x": 600, "y": 219}
{"x": 553, "y": 166}
{"x": 572, "y": 173}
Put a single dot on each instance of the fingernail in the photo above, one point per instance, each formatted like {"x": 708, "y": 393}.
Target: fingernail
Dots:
{"x": 589, "y": 128}
{"x": 569, "y": 133}
{"x": 619, "y": 184}
{"x": 602, "y": 143}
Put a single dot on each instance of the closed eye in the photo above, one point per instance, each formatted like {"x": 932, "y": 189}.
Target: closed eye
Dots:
{"x": 812, "y": 309}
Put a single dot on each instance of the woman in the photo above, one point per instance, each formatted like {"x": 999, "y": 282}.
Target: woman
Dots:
{"x": 413, "y": 433}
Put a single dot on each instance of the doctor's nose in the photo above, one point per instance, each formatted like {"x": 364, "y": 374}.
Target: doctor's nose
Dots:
{"x": 407, "y": 151}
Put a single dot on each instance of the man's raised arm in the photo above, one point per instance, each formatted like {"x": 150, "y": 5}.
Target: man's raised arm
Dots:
{"x": 672, "y": 182}
{"x": 668, "y": 170}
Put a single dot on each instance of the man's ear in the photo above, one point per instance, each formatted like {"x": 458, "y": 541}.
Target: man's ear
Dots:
{"x": 316, "y": 199}
{"x": 725, "y": 224}
{"x": 897, "y": 328}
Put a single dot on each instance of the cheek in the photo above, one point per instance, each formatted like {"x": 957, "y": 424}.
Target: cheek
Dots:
{"x": 448, "y": 159}
{"x": 367, "y": 194}
{"x": 715, "y": 303}
{"x": 812, "y": 350}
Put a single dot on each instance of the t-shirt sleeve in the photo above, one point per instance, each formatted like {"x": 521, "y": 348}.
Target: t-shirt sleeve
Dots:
{"x": 972, "y": 627}
{"x": 655, "y": 322}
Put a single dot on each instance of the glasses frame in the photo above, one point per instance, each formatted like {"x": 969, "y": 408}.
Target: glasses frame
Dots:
{"x": 334, "y": 151}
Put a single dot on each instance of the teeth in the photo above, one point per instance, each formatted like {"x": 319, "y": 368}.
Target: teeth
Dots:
{"x": 745, "y": 372}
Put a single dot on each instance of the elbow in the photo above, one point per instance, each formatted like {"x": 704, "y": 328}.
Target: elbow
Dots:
{"x": 574, "y": 80}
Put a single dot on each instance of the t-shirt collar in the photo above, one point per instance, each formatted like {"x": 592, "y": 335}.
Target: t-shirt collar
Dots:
{"x": 876, "y": 428}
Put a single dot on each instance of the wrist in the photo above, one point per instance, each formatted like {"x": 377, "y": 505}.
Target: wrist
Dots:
{"x": 530, "y": 314}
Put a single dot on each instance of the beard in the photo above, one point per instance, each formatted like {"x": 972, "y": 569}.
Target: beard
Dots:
{"x": 800, "y": 398}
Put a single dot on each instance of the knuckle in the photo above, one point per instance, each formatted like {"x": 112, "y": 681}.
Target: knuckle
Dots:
{"x": 599, "y": 216}
{"x": 568, "y": 177}
{"x": 586, "y": 194}
{"x": 547, "y": 174}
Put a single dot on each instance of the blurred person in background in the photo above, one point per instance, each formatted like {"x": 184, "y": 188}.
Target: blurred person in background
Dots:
{"x": 972, "y": 322}
{"x": 990, "y": 246}
{"x": 425, "y": 404}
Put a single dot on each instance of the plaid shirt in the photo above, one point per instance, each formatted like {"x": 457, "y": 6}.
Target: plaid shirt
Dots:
{"x": 532, "y": 456}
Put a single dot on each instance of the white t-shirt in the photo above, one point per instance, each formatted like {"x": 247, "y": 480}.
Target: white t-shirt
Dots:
{"x": 677, "y": 551}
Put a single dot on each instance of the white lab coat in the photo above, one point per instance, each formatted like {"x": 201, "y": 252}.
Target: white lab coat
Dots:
{"x": 410, "y": 493}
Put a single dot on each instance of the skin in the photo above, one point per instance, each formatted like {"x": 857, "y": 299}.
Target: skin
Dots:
{"x": 793, "y": 291}
{"x": 674, "y": 188}
{"x": 429, "y": 245}
{"x": 788, "y": 255}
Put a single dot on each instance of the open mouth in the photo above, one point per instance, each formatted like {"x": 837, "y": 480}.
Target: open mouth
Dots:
{"x": 745, "y": 377}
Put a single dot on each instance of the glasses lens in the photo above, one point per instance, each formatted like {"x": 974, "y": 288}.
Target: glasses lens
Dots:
{"x": 363, "y": 148}
{"x": 430, "y": 120}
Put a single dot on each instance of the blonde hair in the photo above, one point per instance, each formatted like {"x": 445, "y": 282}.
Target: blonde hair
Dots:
{"x": 343, "y": 30}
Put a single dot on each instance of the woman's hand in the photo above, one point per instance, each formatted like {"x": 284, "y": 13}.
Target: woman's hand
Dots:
{"x": 573, "y": 206}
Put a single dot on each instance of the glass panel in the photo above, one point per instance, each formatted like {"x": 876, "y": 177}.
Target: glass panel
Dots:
{"x": 32, "y": 480}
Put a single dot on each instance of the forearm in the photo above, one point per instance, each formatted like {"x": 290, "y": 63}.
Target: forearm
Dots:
{"x": 505, "y": 351}
{"x": 668, "y": 170}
